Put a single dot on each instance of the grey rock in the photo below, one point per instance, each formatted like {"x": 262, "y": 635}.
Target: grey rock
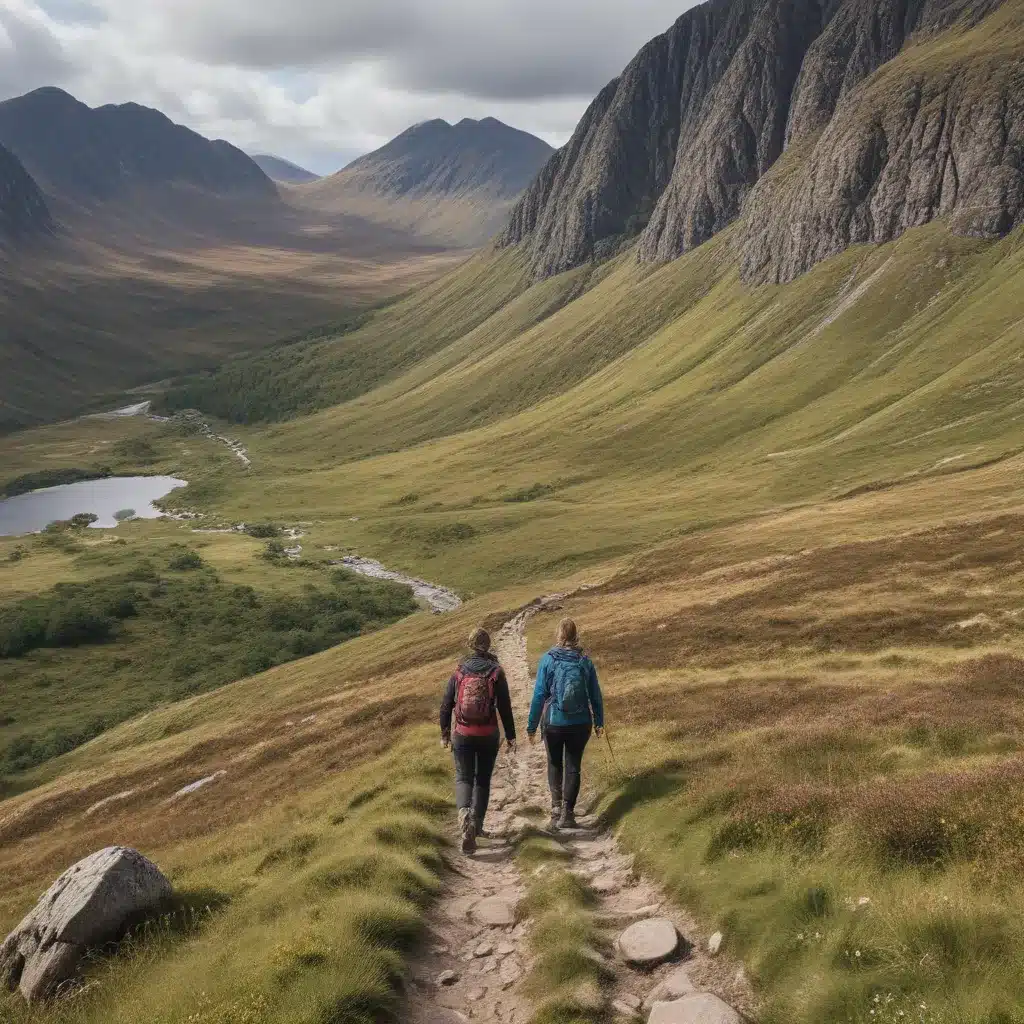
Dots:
{"x": 91, "y": 903}
{"x": 495, "y": 912}
{"x": 686, "y": 141}
{"x": 475, "y": 995}
{"x": 715, "y": 943}
{"x": 624, "y": 1009}
{"x": 649, "y": 942}
{"x": 446, "y": 978}
{"x": 510, "y": 972}
{"x": 674, "y": 986}
{"x": 700, "y": 1008}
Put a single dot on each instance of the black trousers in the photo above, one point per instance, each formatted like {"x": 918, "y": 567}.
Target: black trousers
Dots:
{"x": 474, "y": 765}
{"x": 565, "y": 744}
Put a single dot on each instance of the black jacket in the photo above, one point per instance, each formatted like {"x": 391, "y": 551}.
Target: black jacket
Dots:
{"x": 482, "y": 663}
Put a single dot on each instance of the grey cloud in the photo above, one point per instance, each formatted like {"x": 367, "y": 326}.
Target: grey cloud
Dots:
{"x": 76, "y": 12}
{"x": 512, "y": 49}
{"x": 35, "y": 56}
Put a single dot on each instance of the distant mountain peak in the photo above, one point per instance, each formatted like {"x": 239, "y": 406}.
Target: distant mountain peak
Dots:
{"x": 79, "y": 152}
{"x": 440, "y": 159}
{"x": 279, "y": 169}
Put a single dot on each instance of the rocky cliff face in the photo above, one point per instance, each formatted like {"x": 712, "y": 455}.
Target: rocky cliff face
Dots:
{"x": 885, "y": 113}
{"x": 23, "y": 210}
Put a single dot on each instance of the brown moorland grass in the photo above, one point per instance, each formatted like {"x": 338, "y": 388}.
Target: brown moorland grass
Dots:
{"x": 822, "y": 750}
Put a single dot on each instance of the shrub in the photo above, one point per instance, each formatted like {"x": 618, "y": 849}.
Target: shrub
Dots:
{"x": 81, "y": 520}
{"x": 185, "y": 561}
{"x": 262, "y": 530}
{"x": 76, "y": 623}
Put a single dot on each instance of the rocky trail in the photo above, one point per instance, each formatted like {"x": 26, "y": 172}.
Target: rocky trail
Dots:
{"x": 477, "y": 952}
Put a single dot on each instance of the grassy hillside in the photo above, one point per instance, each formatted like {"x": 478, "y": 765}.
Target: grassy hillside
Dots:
{"x": 804, "y": 504}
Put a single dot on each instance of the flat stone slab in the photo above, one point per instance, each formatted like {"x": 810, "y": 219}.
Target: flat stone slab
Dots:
{"x": 699, "y": 1008}
{"x": 649, "y": 942}
{"x": 674, "y": 986}
{"x": 495, "y": 912}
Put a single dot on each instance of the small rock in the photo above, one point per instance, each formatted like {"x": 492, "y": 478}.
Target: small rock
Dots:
{"x": 715, "y": 943}
{"x": 624, "y": 1009}
{"x": 699, "y": 1008}
{"x": 494, "y": 912}
{"x": 630, "y": 1000}
{"x": 446, "y": 978}
{"x": 510, "y": 972}
{"x": 476, "y": 994}
{"x": 439, "y": 950}
{"x": 490, "y": 965}
{"x": 606, "y": 884}
{"x": 649, "y": 942}
{"x": 505, "y": 949}
{"x": 484, "y": 949}
{"x": 674, "y": 986}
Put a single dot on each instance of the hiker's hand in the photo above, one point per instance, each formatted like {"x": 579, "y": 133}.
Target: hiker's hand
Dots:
{"x": 532, "y": 737}
{"x": 446, "y": 742}
{"x": 599, "y": 731}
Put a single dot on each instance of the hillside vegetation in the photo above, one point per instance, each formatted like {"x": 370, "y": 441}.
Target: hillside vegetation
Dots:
{"x": 797, "y": 508}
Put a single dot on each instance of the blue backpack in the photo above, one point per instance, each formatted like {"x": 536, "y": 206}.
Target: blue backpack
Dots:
{"x": 569, "y": 691}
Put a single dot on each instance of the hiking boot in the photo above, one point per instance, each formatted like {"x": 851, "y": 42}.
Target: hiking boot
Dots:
{"x": 556, "y": 815}
{"x": 467, "y": 826}
{"x": 568, "y": 819}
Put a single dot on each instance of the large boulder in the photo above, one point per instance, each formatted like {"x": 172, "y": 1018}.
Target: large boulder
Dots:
{"x": 93, "y": 902}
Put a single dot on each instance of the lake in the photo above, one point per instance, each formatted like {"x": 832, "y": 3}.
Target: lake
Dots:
{"x": 32, "y": 512}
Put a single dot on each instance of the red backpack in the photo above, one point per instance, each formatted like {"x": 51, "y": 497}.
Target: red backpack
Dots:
{"x": 474, "y": 697}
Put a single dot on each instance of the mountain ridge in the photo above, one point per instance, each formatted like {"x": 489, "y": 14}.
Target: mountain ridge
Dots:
{"x": 676, "y": 148}
{"x": 97, "y": 154}
{"x": 277, "y": 168}
{"x": 453, "y": 183}
{"x": 23, "y": 209}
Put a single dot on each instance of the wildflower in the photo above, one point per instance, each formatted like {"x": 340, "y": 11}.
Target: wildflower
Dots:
{"x": 857, "y": 953}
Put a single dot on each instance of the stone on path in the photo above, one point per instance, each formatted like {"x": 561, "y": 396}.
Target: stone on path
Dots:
{"x": 699, "y": 1008}
{"x": 606, "y": 884}
{"x": 674, "y": 986}
{"x": 623, "y": 1009}
{"x": 476, "y": 994}
{"x": 446, "y": 978}
{"x": 495, "y": 912}
{"x": 93, "y": 902}
{"x": 510, "y": 972}
{"x": 649, "y": 942}
{"x": 484, "y": 949}
{"x": 715, "y": 943}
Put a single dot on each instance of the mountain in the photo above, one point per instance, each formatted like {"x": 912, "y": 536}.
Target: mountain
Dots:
{"x": 279, "y": 169}
{"x": 455, "y": 183}
{"x": 23, "y": 210}
{"x": 98, "y": 154}
{"x": 818, "y": 123}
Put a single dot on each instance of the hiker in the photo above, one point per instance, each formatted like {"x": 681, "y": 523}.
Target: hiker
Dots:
{"x": 477, "y": 693}
{"x": 566, "y": 705}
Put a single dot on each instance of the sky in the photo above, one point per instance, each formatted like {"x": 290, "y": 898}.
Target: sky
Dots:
{"x": 321, "y": 81}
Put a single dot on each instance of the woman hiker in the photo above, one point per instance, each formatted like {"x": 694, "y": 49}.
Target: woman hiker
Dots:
{"x": 566, "y": 704}
{"x": 477, "y": 693}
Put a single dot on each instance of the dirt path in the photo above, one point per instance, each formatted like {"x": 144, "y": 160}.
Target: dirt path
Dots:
{"x": 477, "y": 953}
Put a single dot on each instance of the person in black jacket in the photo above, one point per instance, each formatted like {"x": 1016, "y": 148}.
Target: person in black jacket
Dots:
{"x": 477, "y": 693}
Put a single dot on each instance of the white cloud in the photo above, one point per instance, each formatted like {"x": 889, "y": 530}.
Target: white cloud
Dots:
{"x": 319, "y": 81}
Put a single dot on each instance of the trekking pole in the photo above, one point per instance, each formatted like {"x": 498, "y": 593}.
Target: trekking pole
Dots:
{"x": 615, "y": 762}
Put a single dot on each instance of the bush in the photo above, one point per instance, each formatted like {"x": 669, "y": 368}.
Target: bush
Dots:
{"x": 186, "y": 561}
{"x": 81, "y": 520}
{"x": 75, "y": 623}
{"x": 261, "y": 530}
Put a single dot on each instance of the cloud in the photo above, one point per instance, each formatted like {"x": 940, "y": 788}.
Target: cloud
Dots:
{"x": 323, "y": 80}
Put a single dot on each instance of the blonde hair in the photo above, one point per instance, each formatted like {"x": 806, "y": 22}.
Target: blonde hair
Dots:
{"x": 480, "y": 640}
{"x": 568, "y": 635}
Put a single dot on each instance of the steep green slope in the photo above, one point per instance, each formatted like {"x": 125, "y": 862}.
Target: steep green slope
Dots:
{"x": 665, "y": 400}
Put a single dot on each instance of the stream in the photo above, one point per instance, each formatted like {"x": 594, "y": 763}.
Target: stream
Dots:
{"x": 440, "y": 599}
